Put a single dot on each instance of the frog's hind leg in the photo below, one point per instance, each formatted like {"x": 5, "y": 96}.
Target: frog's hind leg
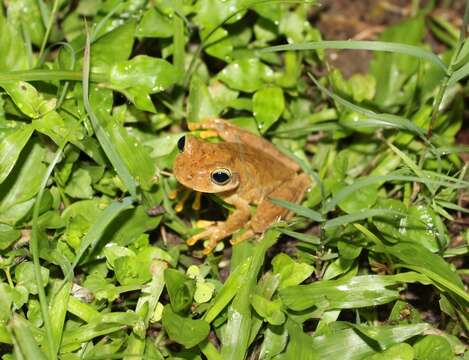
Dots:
{"x": 267, "y": 212}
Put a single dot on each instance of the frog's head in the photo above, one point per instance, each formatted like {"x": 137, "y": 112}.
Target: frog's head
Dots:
{"x": 204, "y": 166}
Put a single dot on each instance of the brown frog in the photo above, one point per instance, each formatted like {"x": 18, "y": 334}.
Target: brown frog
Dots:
{"x": 243, "y": 170}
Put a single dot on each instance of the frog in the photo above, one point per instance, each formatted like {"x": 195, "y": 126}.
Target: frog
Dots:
{"x": 246, "y": 171}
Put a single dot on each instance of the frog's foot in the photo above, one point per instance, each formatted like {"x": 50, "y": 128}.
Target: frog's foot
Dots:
{"x": 244, "y": 236}
{"x": 180, "y": 205}
{"x": 212, "y": 124}
{"x": 172, "y": 195}
{"x": 214, "y": 234}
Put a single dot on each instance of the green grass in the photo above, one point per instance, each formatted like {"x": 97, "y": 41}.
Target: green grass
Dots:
{"x": 371, "y": 266}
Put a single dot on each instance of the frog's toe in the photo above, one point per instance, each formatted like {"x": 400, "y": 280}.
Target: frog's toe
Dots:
{"x": 194, "y": 238}
{"x": 244, "y": 236}
{"x": 207, "y": 250}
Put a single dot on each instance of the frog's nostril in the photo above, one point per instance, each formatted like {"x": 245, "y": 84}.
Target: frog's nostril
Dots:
{"x": 181, "y": 143}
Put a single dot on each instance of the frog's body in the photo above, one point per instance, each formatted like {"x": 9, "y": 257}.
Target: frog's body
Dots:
{"x": 253, "y": 171}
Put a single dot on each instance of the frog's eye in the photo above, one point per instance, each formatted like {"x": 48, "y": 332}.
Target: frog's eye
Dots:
{"x": 220, "y": 176}
{"x": 181, "y": 143}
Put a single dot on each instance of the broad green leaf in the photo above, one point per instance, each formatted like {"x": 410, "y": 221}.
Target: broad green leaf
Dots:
{"x": 229, "y": 290}
{"x": 79, "y": 185}
{"x": 8, "y": 235}
{"x": 113, "y": 47}
{"x": 14, "y": 55}
{"x": 347, "y": 344}
{"x": 24, "y": 275}
{"x": 433, "y": 347}
{"x": 397, "y": 352}
{"x": 419, "y": 259}
{"x": 26, "y": 345}
{"x": 212, "y": 13}
{"x": 291, "y": 272}
{"x": 200, "y": 104}
{"x": 11, "y": 147}
{"x": 18, "y": 190}
{"x": 267, "y": 105}
{"x": 25, "y": 96}
{"x": 26, "y": 13}
{"x": 275, "y": 339}
{"x": 246, "y": 75}
{"x": 237, "y": 331}
{"x": 155, "y": 24}
{"x": 180, "y": 288}
{"x": 184, "y": 330}
{"x": 359, "y": 291}
{"x": 143, "y": 73}
{"x": 393, "y": 70}
{"x": 269, "y": 310}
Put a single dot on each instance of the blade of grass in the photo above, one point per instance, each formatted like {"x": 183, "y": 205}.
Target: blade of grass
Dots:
{"x": 449, "y": 73}
{"x": 49, "y": 75}
{"x": 366, "y": 181}
{"x": 228, "y": 291}
{"x": 34, "y": 249}
{"x": 58, "y": 307}
{"x": 389, "y": 120}
{"x": 363, "y": 45}
{"x": 307, "y": 238}
{"x": 236, "y": 340}
{"x": 101, "y": 134}
{"x": 97, "y": 229}
{"x": 350, "y": 218}
{"x": 25, "y": 340}
{"x": 50, "y": 23}
{"x": 298, "y": 209}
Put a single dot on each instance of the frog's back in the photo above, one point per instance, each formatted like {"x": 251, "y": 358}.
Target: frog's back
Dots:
{"x": 259, "y": 172}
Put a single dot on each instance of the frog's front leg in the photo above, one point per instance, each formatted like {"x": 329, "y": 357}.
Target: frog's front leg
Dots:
{"x": 222, "y": 229}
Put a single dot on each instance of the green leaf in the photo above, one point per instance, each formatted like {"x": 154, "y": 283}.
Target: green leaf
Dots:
{"x": 25, "y": 96}
{"x": 184, "y": 330}
{"x": 200, "y": 104}
{"x": 269, "y": 310}
{"x": 113, "y": 47}
{"x": 246, "y": 75}
{"x": 392, "y": 71}
{"x": 79, "y": 185}
{"x": 155, "y": 24}
{"x": 397, "y": 352}
{"x": 348, "y": 344}
{"x": 18, "y": 190}
{"x": 180, "y": 288}
{"x": 8, "y": 235}
{"x": 433, "y": 347}
{"x": 267, "y": 105}
{"x": 359, "y": 291}
{"x": 144, "y": 74}
{"x": 24, "y": 274}
{"x": 26, "y": 14}
{"x": 11, "y": 147}
{"x": 26, "y": 344}
{"x": 419, "y": 259}
{"x": 14, "y": 55}
{"x": 291, "y": 272}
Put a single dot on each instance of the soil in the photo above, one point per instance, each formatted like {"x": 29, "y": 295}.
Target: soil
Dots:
{"x": 365, "y": 20}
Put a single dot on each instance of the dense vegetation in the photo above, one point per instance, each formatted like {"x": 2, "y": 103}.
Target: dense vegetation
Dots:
{"x": 93, "y": 98}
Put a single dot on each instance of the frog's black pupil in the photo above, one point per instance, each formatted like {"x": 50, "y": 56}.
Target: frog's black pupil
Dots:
{"x": 220, "y": 177}
{"x": 181, "y": 143}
